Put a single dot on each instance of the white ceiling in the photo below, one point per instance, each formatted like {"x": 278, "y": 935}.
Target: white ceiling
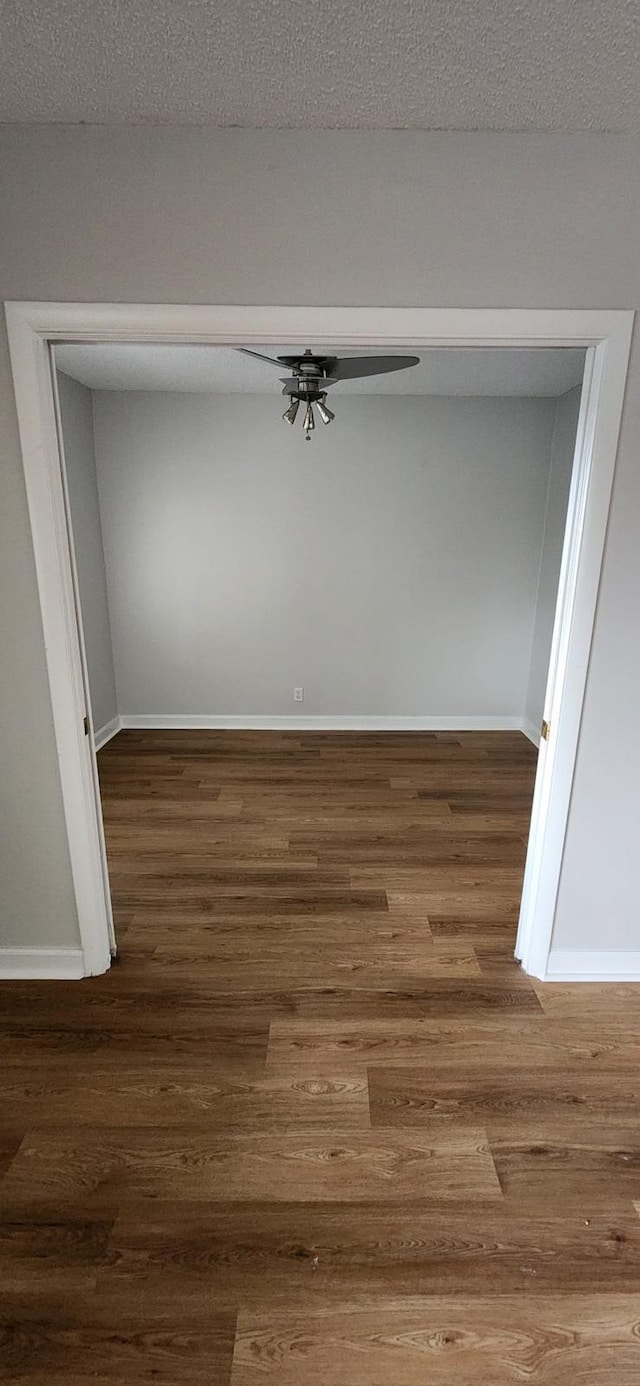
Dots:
{"x": 372, "y": 64}
{"x": 222, "y": 370}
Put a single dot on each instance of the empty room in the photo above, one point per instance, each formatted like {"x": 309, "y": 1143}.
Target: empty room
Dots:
{"x": 319, "y": 959}
{"x": 317, "y": 647}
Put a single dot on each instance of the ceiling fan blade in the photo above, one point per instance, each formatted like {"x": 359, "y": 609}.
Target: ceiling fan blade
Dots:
{"x": 351, "y": 367}
{"x": 273, "y": 360}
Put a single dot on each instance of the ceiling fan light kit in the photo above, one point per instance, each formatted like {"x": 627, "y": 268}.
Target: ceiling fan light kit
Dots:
{"x": 326, "y": 414}
{"x": 313, "y": 375}
{"x": 290, "y": 413}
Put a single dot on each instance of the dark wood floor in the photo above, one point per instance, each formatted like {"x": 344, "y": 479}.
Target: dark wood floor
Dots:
{"x": 315, "y": 1128}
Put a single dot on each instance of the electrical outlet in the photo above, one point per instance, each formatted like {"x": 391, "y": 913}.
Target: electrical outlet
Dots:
{"x": 298, "y": 695}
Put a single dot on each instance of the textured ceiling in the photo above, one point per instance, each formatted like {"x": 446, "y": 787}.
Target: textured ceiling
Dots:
{"x": 354, "y": 64}
{"x": 221, "y": 370}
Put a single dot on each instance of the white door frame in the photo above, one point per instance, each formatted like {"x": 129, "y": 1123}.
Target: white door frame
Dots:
{"x": 32, "y": 326}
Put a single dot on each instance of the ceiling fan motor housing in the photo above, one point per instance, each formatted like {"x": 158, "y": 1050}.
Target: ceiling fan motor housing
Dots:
{"x": 310, "y": 379}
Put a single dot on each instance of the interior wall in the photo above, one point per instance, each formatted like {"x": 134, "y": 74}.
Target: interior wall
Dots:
{"x": 159, "y": 215}
{"x": 562, "y": 451}
{"x": 388, "y": 566}
{"x": 76, "y": 417}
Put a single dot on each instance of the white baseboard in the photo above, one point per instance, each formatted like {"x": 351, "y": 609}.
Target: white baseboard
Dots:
{"x": 105, "y": 733}
{"x": 530, "y": 730}
{"x": 37, "y": 964}
{"x": 583, "y": 965}
{"x": 302, "y": 722}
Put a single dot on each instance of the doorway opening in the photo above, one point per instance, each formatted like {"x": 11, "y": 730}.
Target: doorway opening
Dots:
{"x": 586, "y": 435}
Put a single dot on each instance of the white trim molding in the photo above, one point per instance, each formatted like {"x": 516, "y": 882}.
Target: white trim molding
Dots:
{"x": 41, "y": 964}
{"x": 584, "y": 965}
{"x": 531, "y": 731}
{"x": 595, "y": 452}
{"x": 106, "y": 732}
{"x": 33, "y": 327}
{"x": 304, "y": 722}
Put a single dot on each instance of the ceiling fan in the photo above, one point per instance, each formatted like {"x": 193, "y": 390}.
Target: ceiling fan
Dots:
{"x": 313, "y": 375}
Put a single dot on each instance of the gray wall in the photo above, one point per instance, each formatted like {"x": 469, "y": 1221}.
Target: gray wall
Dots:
{"x": 562, "y": 450}
{"x": 389, "y": 565}
{"x": 76, "y": 415}
{"x": 202, "y": 216}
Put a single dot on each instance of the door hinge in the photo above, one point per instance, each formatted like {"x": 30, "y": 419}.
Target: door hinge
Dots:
{"x": 544, "y": 731}
{"x": 86, "y": 726}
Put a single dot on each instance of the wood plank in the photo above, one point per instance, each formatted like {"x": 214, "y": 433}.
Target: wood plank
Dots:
{"x": 602, "y": 1000}
{"x": 106, "y": 1167}
{"x": 161, "y": 1095}
{"x": 51, "y": 1248}
{"x": 312, "y": 966}
{"x": 565, "y": 1099}
{"x": 569, "y": 1164}
{"x": 460, "y": 1044}
{"x": 305, "y": 1254}
{"x": 501, "y": 1340}
{"x": 73, "y": 1340}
